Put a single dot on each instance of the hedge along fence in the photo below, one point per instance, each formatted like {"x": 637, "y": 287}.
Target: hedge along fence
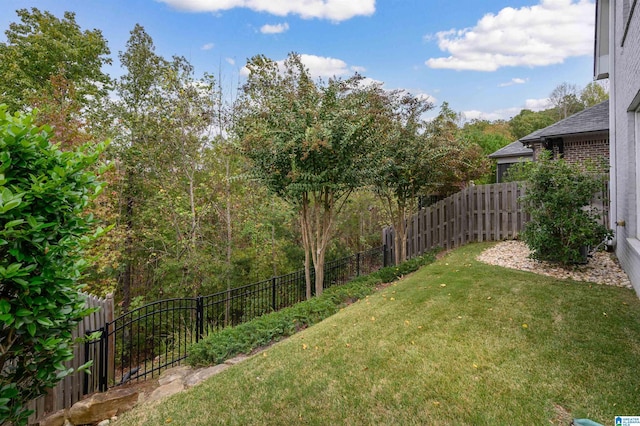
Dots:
{"x": 272, "y": 327}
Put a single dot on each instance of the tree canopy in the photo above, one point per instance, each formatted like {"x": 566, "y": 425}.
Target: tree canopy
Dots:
{"x": 308, "y": 142}
{"x": 40, "y": 49}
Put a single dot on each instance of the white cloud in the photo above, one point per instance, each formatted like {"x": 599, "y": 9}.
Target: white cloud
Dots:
{"x": 334, "y": 10}
{"x": 230, "y": 61}
{"x": 274, "y": 29}
{"x": 514, "y": 81}
{"x": 208, "y": 46}
{"x": 479, "y": 115}
{"x": 427, "y": 97}
{"x": 358, "y": 69}
{"x": 539, "y": 35}
{"x": 320, "y": 66}
{"x": 537, "y": 104}
{"x": 507, "y": 113}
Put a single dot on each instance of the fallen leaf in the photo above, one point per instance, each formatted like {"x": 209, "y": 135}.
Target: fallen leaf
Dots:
{"x": 406, "y": 322}
{"x": 475, "y": 366}
{"x": 443, "y": 285}
{"x": 604, "y": 313}
{"x": 348, "y": 345}
{"x": 393, "y": 298}
{"x": 489, "y": 298}
{"x": 436, "y": 403}
{"x": 373, "y": 318}
{"x": 459, "y": 317}
{"x": 264, "y": 354}
{"x": 304, "y": 346}
{"x": 525, "y": 326}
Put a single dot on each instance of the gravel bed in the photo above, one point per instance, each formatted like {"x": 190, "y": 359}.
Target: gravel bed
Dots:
{"x": 602, "y": 268}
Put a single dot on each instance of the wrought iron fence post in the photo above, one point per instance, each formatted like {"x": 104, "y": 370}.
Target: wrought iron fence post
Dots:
{"x": 104, "y": 359}
{"x": 199, "y": 318}
{"x": 358, "y": 264}
{"x": 273, "y": 293}
{"x": 85, "y": 377}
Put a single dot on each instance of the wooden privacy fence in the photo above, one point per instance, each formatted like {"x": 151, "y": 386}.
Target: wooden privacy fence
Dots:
{"x": 475, "y": 214}
{"x": 70, "y": 389}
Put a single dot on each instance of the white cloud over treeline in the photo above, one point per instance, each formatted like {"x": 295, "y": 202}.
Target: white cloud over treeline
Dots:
{"x": 539, "y": 35}
{"x": 334, "y": 10}
{"x": 321, "y": 66}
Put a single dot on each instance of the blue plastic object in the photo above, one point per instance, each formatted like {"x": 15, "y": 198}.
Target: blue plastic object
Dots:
{"x": 585, "y": 422}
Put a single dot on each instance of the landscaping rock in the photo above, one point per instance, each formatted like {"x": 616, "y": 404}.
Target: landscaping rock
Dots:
{"x": 602, "y": 268}
{"x": 235, "y": 360}
{"x": 102, "y": 406}
{"x": 167, "y": 390}
{"x": 202, "y": 374}
{"x": 55, "y": 419}
{"x": 173, "y": 374}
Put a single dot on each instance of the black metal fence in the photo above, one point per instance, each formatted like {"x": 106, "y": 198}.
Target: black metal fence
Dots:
{"x": 146, "y": 340}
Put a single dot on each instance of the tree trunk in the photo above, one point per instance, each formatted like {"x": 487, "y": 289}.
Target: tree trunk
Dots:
{"x": 306, "y": 243}
{"x": 227, "y": 310}
{"x": 127, "y": 275}
{"x": 400, "y": 240}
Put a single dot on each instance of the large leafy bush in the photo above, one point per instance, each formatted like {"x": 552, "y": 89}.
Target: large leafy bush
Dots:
{"x": 559, "y": 197}
{"x": 42, "y": 232}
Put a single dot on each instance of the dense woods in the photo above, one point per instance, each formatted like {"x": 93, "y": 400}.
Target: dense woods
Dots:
{"x": 206, "y": 191}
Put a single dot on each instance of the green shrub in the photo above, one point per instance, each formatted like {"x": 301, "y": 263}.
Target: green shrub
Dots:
{"x": 558, "y": 197}
{"x": 244, "y": 338}
{"x": 42, "y": 232}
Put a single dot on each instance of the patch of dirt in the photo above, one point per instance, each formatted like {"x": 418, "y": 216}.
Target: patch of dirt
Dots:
{"x": 562, "y": 417}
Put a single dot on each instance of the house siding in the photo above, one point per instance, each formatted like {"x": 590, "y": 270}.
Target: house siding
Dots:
{"x": 624, "y": 88}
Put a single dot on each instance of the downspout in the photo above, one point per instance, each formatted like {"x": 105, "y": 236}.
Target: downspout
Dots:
{"x": 613, "y": 156}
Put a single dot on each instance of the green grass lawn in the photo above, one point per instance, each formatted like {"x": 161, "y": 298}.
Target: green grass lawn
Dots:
{"x": 456, "y": 343}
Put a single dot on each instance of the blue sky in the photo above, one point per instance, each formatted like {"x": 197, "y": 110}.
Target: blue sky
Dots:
{"x": 488, "y": 58}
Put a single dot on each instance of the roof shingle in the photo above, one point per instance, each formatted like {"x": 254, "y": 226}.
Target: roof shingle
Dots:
{"x": 594, "y": 119}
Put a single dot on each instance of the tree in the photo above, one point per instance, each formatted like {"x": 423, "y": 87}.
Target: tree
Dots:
{"x": 465, "y": 161}
{"x": 51, "y": 57}
{"x": 565, "y": 100}
{"x": 43, "y": 192}
{"x": 593, "y": 93}
{"x": 137, "y": 121}
{"x": 490, "y": 137}
{"x": 407, "y": 161}
{"x": 419, "y": 158}
{"x": 528, "y": 121}
{"x": 308, "y": 143}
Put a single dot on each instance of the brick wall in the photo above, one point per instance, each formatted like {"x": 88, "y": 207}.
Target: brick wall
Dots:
{"x": 578, "y": 149}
